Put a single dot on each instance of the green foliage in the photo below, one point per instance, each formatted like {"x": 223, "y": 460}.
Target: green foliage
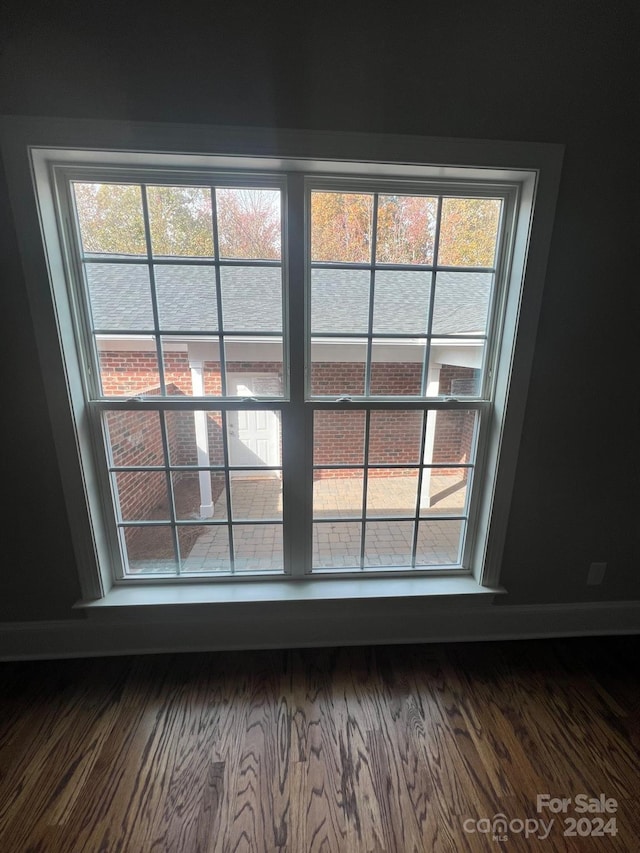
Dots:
{"x": 111, "y": 218}
{"x": 180, "y": 221}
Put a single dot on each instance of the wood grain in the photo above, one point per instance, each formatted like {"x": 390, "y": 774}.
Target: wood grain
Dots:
{"x": 361, "y": 750}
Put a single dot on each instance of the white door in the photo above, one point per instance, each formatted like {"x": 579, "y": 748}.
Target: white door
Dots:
{"x": 254, "y": 436}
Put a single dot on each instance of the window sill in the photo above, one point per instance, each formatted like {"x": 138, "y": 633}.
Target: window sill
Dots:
{"x": 359, "y": 589}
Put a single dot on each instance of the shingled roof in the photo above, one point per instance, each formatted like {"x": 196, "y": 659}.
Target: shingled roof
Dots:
{"x": 120, "y": 299}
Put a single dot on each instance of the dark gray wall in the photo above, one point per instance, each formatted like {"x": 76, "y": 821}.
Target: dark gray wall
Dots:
{"x": 557, "y": 71}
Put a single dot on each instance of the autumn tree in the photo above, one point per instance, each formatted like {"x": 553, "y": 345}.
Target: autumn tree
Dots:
{"x": 468, "y": 231}
{"x": 180, "y": 220}
{"x": 342, "y": 229}
{"x": 406, "y": 229}
{"x": 249, "y": 223}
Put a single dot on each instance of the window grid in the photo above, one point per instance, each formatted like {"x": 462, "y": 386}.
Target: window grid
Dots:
{"x": 418, "y": 517}
{"x": 222, "y": 333}
{"x": 374, "y": 266}
{"x": 232, "y": 521}
{"x": 219, "y": 336}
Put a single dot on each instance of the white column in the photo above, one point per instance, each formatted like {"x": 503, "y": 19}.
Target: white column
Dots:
{"x": 202, "y": 440}
{"x": 433, "y": 386}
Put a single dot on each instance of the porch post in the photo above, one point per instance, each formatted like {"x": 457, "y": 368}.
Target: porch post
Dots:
{"x": 202, "y": 440}
{"x": 433, "y": 386}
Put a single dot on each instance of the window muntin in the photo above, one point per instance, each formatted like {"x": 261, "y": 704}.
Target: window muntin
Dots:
{"x": 394, "y": 278}
{"x": 404, "y": 501}
{"x": 228, "y": 307}
{"x": 163, "y": 266}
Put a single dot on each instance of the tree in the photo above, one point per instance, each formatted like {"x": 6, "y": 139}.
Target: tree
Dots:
{"x": 249, "y": 223}
{"x": 406, "y": 229}
{"x": 341, "y": 226}
{"x": 342, "y": 229}
{"x": 468, "y": 231}
{"x": 111, "y": 218}
{"x": 180, "y": 220}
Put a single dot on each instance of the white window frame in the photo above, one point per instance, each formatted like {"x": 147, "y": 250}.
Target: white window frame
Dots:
{"x": 33, "y": 148}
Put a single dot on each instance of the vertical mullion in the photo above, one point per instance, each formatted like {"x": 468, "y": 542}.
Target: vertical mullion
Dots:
{"x": 423, "y": 440}
{"x": 227, "y": 485}
{"x": 372, "y": 279}
{"x": 216, "y": 255}
{"x": 432, "y": 297}
{"x": 154, "y": 296}
{"x": 297, "y": 418}
{"x": 365, "y": 485}
{"x": 172, "y": 505}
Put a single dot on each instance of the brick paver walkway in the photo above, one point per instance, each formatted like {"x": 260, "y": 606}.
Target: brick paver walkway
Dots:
{"x": 336, "y": 543}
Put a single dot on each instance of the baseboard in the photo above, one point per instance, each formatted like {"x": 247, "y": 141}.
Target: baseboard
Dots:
{"x": 279, "y": 628}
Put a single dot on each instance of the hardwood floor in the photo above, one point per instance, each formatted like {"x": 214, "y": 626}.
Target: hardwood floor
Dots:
{"x": 404, "y": 748}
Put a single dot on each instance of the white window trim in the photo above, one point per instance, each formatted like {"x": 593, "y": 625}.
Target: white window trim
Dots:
{"x": 30, "y": 145}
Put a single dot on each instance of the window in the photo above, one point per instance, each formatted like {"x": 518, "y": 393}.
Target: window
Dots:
{"x": 285, "y": 368}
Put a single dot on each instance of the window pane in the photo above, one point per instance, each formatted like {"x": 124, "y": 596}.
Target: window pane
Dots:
{"x": 401, "y": 302}
{"x": 338, "y": 493}
{"x": 180, "y": 221}
{"x": 340, "y": 301}
{"x": 186, "y": 297}
{"x": 396, "y": 367}
{"x": 110, "y": 218}
{"x": 388, "y": 543}
{"x": 251, "y": 299}
{"x": 450, "y": 437}
{"x": 336, "y": 545}
{"x": 120, "y": 296}
{"x": 406, "y": 229}
{"x": 338, "y": 369}
{"x": 338, "y": 438}
{"x": 439, "y": 542}
{"x": 128, "y": 367}
{"x": 195, "y": 438}
{"x": 468, "y": 232}
{"x": 134, "y": 438}
{"x": 249, "y": 223}
{"x": 444, "y": 491}
{"x": 148, "y": 550}
{"x": 254, "y": 438}
{"x": 392, "y": 492}
{"x": 142, "y": 495}
{"x": 461, "y": 304}
{"x": 199, "y": 494}
{"x": 204, "y": 548}
{"x": 395, "y": 437}
{"x": 341, "y": 226}
{"x": 191, "y": 368}
{"x": 257, "y": 547}
{"x": 256, "y": 495}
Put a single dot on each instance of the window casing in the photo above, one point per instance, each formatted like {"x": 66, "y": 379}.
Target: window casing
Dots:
{"x": 299, "y": 406}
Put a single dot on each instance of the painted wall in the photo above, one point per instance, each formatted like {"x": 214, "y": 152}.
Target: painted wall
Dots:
{"x": 556, "y": 70}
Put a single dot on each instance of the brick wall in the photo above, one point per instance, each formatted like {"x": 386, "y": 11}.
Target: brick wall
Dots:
{"x": 135, "y": 439}
{"x": 394, "y": 436}
{"x": 338, "y": 436}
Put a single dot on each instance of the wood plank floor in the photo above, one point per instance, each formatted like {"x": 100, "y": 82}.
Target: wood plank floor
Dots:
{"x": 404, "y": 748}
